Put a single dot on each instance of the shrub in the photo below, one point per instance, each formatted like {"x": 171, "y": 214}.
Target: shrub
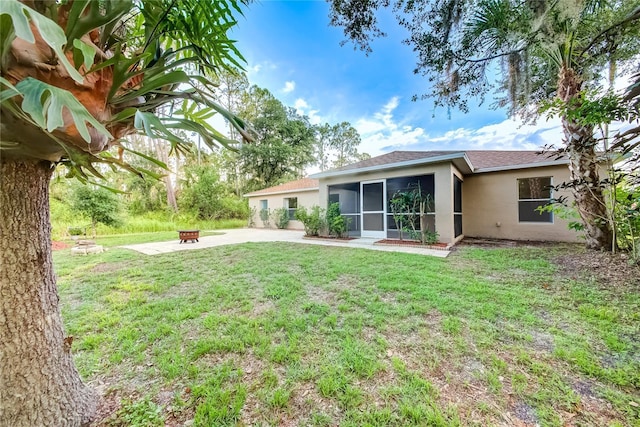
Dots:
{"x": 336, "y": 223}
{"x": 264, "y": 217}
{"x": 251, "y": 223}
{"x": 281, "y": 217}
{"x": 313, "y": 220}
{"x": 97, "y": 203}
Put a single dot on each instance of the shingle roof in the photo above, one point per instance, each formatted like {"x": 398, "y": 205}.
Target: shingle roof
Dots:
{"x": 485, "y": 159}
{"x": 478, "y": 159}
{"x": 298, "y": 185}
{"x": 393, "y": 157}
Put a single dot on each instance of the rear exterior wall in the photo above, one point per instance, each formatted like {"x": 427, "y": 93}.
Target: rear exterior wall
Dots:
{"x": 306, "y": 199}
{"x": 490, "y": 206}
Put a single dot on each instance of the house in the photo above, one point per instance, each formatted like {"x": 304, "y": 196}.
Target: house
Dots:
{"x": 475, "y": 193}
{"x": 290, "y": 195}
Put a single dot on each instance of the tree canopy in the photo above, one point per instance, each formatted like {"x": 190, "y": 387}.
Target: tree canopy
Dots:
{"x": 79, "y": 76}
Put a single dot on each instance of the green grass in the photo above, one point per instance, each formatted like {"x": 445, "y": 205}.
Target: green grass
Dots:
{"x": 273, "y": 333}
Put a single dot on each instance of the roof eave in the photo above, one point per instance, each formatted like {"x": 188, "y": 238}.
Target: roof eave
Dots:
{"x": 423, "y": 161}
{"x": 523, "y": 166}
{"x": 271, "y": 193}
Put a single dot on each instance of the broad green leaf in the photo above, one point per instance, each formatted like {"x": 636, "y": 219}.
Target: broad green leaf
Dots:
{"x": 7, "y": 35}
{"x": 86, "y": 54}
{"x": 8, "y": 93}
{"x": 44, "y": 103}
{"x": 86, "y": 15}
{"x": 51, "y": 33}
{"x": 144, "y": 156}
{"x": 170, "y": 80}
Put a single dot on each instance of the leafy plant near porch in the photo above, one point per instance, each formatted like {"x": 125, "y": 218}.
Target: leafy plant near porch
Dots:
{"x": 313, "y": 220}
{"x": 281, "y": 217}
{"x": 336, "y": 224}
{"x": 265, "y": 217}
{"x": 409, "y": 208}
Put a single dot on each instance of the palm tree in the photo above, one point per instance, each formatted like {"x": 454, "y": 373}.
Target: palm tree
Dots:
{"x": 568, "y": 40}
{"x": 77, "y": 77}
{"x": 537, "y": 51}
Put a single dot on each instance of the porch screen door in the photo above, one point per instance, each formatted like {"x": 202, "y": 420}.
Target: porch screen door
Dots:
{"x": 373, "y": 209}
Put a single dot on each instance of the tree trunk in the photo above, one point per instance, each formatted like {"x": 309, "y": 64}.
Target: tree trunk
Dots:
{"x": 39, "y": 384}
{"x": 583, "y": 166}
{"x": 161, "y": 152}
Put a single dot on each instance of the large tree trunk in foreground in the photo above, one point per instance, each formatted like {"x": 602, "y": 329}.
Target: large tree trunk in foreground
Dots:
{"x": 39, "y": 384}
{"x": 583, "y": 165}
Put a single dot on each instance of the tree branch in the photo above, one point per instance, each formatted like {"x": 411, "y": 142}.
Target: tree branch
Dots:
{"x": 634, "y": 16}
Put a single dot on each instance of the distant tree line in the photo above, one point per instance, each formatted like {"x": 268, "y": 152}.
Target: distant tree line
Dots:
{"x": 209, "y": 184}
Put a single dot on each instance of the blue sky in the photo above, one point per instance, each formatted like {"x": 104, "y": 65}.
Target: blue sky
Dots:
{"x": 292, "y": 51}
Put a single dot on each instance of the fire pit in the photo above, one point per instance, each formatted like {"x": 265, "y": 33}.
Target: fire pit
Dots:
{"x": 192, "y": 235}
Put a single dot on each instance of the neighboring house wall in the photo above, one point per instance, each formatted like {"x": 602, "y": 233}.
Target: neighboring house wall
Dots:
{"x": 490, "y": 206}
{"x": 305, "y": 199}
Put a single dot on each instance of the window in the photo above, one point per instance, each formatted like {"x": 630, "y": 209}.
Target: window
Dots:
{"x": 291, "y": 204}
{"x": 534, "y": 193}
{"x": 264, "y": 205}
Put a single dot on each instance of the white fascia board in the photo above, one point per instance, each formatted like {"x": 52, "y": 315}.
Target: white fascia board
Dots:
{"x": 523, "y": 166}
{"x": 407, "y": 163}
{"x": 299, "y": 190}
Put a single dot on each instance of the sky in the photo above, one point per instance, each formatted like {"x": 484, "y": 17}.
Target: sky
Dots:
{"x": 292, "y": 51}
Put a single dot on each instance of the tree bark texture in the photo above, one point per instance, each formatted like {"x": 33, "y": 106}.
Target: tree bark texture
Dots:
{"x": 39, "y": 383}
{"x": 161, "y": 152}
{"x": 583, "y": 166}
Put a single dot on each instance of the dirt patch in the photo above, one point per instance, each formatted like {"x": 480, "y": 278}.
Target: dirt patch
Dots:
{"x": 525, "y": 413}
{"x": 412, "y": 243}
{"x": 329, "y": 238}
{"x": 609, "y": 270}
{"x": 502, "y": 243}
{"x": 58, "y": 246}
{"x": 107, "y": 406}
{"x": 319, "y": 295}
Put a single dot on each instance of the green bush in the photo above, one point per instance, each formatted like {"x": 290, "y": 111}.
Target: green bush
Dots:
{"x": 281, "y": 217}
{"x": 313, "y": 220}
{"x": 336, "y": 223}
{"x": 265, "y": 216}
{"x": 207, "y": 197}
{"x": 97, "y": 203}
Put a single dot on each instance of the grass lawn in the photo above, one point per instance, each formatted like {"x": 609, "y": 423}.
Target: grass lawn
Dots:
{"x": 285, "y": 335}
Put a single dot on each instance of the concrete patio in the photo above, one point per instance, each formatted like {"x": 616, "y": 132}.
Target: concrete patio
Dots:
{"x": 244, "y": 235}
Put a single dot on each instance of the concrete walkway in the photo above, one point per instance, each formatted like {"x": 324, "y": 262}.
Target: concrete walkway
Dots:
{"x": 244, "y": 235}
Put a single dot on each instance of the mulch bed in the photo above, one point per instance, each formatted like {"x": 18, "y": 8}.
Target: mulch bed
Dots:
{"x": 612, "y": 271}
{"x": 57, "y": 246}
{"x": 609, "y": 270}
{"x": 413, "y": 243}
{"x": 330, "y": 238}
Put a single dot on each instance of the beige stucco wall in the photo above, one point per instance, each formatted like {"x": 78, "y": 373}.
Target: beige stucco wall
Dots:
{"x": 274, "y": 201}
{"x": 490, "y": 206}
{"x": 443, "y": 184}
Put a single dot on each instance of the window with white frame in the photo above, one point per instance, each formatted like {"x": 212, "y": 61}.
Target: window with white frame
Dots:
{"x": 291, "y": 204}
{"x": 264, "y": 205}
{"x": 534, "y": 193}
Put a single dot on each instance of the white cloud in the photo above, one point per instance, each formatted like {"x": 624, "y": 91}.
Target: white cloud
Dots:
{"x": 382, "y": 132}
{"x": 300, "y": 105}
{"x": 304, "y": 109}
{"x": 289, "y": 86}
